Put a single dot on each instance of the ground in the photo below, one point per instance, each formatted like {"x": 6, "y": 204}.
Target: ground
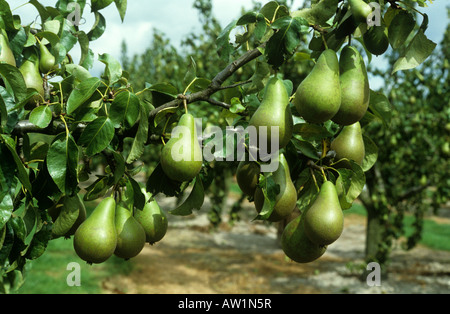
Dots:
{"x": 247, "y": 259}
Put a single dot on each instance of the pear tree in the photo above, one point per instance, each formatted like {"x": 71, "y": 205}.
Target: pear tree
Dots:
{"x": 67, "y": 135}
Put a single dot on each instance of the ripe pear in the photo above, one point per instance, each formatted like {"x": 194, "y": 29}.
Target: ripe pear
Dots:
{"x": 286, "y": 200}
{"x": 297, "y": 246}
{"x": 355, "y": 88}
{"x": 182, "y": 157}
{"x": 47, "y": 61}
{"x": 6, "y": 54}
{"x": 96, "y": 239}
{"x": 349, "y": 145}
{"x": 247, "y": 176}
{"x": 376, "y": 40}
{"x": 360, "y": 10}
{"x": 324, "y": 219}
{"x": 131, "y": 236}
{"x": 63, "y": 215}
{"x": 274, "y": 111}
{"x": 154, "y": 221}
{"x": 318, "y": 97}
{"x": 33, "y": 79}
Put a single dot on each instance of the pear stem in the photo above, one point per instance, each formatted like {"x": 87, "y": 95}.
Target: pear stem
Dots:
{"x": 315, "y": 180}
{"x": 185, "y": 105}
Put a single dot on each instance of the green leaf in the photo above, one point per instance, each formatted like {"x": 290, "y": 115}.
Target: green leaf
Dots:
{"x": 97, "y": 189}
{"x": 113, "y": 68}
{"x": 22, "y": 173}
{"x": 82, "y": 93}
{"x": 62, "y": 163}
{"x": 41, "y": 116}
{"x": 319, "y": 13}
{"x": 6, "y": 209}
{"x": 158, "y": 182}
{"x": 137, "y": 149}
{"x": 371, "y": 156}
{"x": 311, "y": 132}
{"x": 7, "y": 16}
{"x": 401, "y": 26}
{"x": 98, "y": 28}
{"x": 305, "y": 147}
{"x": 125, "y": 109}
{"x": 44, "y": 14}
{"x": 97, "y": 136}
{"x": 194, "y": 201}
{"x": 273, "y": 11}
{"x": 224, "y": 48}
{"x": 121, "y": 6}
{"x": 100, "y": 4}
{"x": 350, "y": 184}
{"x": 270, "y": 191}
{"x": 68, "y": 215}
{"x": 119, "y": 169}
{"x": 416, "y": 53}
{"x": 14, "y": 81}
{"x": 381, "y": 107}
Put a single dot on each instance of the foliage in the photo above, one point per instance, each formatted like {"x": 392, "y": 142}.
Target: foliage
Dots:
{"x": 95, "y": 130}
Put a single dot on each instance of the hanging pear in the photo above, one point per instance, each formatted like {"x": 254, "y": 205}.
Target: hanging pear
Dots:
{"x": 182, "y": 157}
{"x": 47, "y": 61}
{"x": 247, "y": 176}
{"x": 153, "y": 219}
{"x": 297, "y": 246}
{"x": 6, "y": 54}
{"x": 349, "y": 145}
{"x": 274, "y": 111}
{"x": 33, "y": 79}
{"x": 318, "y": 98}
{"x": 96, "y": 239}
{"x": 131, "y": 236}
{"x": 355, "y": 89}
{"x": 324, "y": 220}
{"x": 360, "y": 10}
{"x": 286, "y": 200}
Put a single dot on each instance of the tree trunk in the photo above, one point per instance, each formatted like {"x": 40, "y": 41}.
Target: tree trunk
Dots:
{"x": 374, "y": 233}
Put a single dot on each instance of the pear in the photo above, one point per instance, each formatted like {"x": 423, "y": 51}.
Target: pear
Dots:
{"x": 63, "y": 215}
{"x": 318, "y": 98}
{"x": 181, "y": 157}
{"x": 153, "y": 220}
{"x": 349, "y": 145}
{"x": 324, "y": 219}
{"x": 297, "y": 246}
{"x": 360, "y": 10}
{"x": 355, "y": 89}
{"x": 274, "y": 111}
{"x": 47, "y": 61}
{"x": 376, "y": 40}
{"x": 6, "y": 54}
{"x": 247, "y": 176}
{"x": 96, "y": 239}
{"x": 131, "y": 236}
{"x": 286, "y": 200}
{"x": 33, "y": 79}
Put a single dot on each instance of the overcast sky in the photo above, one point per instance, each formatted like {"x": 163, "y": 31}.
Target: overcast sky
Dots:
{"x": 177, "y": 18}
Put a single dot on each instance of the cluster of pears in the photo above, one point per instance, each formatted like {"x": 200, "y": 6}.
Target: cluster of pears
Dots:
{"x": 33, "y": 66}
{"x": 111, "y": 229}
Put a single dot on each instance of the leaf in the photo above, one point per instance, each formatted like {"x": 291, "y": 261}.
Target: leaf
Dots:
{"x": 7, "y": 16}
{"x": 371, "y": 156}
{"x": 158, "y": 182}
{"x": 82, "y": 93}
{"x": 6, "y": 209}
{"x": 62, "y": 163}
{"x": 305, "y": 147}
{"x": 194, "y": 201}
{"x": 70, "y": 211}
{"x": 319, "y": 13}
{"x": 98, "y": 28}
{"x": 311, "y": 132}
{"x": 224, "y": 48}
{"x": 41, "y": 116}
{"x": 400, "y": 28}
{"x": 138, "y": 146}
{"x": 100, "y": 4}
{"x": 121, "y": 6}
{"x": 22, "y": 173}
{"x": 273, "y": 11}
{"x": 416, "y": 53}
{"x": 113, "y": 68}
{"x": 97, "y": 190}
{"x": 270, "y": 191}
{"x": 14, "y": 81}
{"x": 381, "y": 107}
{"x": 352, "y": 184}
{"x": 97, "y": 136}
{"x": 125, "y": 109}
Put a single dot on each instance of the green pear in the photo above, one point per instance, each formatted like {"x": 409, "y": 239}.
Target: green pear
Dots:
{"x": 376, "y": 40}
{"x": 274, "y": 111}
{"x": 247, "y": 176}
{"x": 350, "y": 145}
{"x": 297, "y": 246}
{"x": 355, "y": 89}
{"x": 182, "y": 157}
{"x": 286, "y": 200}
{"x": 360, "y": 10}
{"x": 33, "y": 79}
{"x": 153, "y": 219}
{"x": 318, "y": 98}
{"x": 96, "y": 239}
{"x": 47, "y": 61}
{"x": 67, "y": 216}
{"x": 131, "y": 236}
{"x": 324, "y": 219}
{"x": 6, "y": 54}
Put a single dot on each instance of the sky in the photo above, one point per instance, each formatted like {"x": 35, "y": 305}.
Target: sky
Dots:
{"x": 177, "y": 18}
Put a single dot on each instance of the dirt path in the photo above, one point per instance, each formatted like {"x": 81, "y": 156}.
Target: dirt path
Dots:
{"x": 247, "y": 259}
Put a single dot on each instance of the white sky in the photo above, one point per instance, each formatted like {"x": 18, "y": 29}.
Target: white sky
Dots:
{"x": 177, "y": 18}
